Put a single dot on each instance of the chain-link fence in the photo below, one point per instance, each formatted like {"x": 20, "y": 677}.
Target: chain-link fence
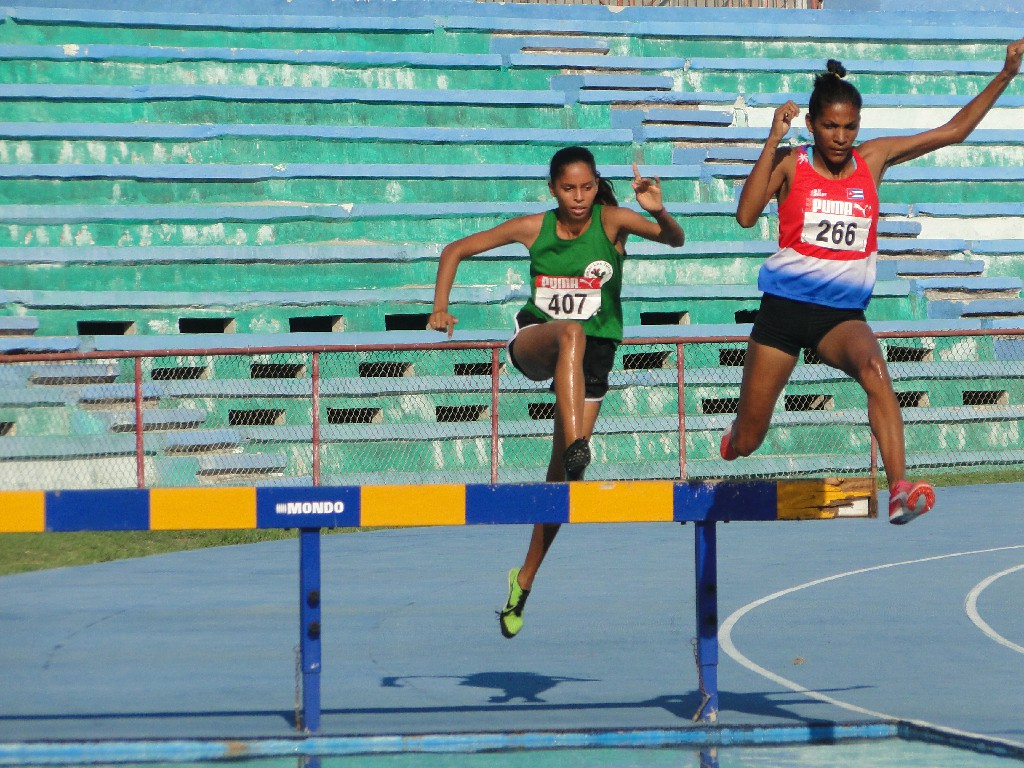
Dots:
{"x": 457, "y": 413}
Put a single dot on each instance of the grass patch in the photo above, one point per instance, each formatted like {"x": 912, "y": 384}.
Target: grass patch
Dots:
{"x": 21, "y": 552}
{"x": 980, "y": 477}
{"x": 966, "y": 476}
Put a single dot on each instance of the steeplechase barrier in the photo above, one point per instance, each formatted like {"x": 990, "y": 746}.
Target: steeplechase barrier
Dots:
{"x": 313, "y": 509}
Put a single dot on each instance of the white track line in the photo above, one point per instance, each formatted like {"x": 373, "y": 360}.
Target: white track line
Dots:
{"x": 726, "y": 644}
{"x": 971, "y": 606}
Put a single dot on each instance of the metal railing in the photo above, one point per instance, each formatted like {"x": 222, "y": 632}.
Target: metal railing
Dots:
{"x": 457, "y": 412}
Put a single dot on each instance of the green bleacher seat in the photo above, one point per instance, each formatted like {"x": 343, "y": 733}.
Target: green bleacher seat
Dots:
{"x": 280, "y": 175}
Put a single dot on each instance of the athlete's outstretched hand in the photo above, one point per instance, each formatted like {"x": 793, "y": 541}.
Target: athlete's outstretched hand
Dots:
{"x": 648, "y": 191}
{"x": 1014, "y": 51}
{"x": 442, "y": 321}
{"x": 783, "y": 119}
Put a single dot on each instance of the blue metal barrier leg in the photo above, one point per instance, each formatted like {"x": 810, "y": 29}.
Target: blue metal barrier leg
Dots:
{"x": 309, "y": 627}
{"x": 706, "y": 583}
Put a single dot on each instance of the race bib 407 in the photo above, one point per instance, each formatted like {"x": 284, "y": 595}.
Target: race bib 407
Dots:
{"x": 568, "y": 298}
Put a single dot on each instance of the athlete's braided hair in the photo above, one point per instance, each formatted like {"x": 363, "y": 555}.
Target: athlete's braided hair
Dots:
{"x": 569, "y": 155}
{"x": 831, "y": 88}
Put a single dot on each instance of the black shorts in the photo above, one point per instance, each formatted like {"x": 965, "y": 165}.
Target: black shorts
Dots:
{"x": 789, "y": 325}
{"x": 598, "y": 358}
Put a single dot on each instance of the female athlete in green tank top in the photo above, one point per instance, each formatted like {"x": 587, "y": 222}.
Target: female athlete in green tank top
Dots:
{"x": 572, "y": 322}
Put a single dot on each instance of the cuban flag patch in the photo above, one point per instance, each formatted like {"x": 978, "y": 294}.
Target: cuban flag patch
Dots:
{"x": 854, "y": 194}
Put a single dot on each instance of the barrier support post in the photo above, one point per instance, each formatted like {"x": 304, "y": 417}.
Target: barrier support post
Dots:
{"x": 706, "y": 589}
{"x": 309, "y": 627}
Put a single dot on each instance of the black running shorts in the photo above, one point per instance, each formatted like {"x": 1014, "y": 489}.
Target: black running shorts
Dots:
{"x": 789, "y": 325}
{"x": 598, "y": 357}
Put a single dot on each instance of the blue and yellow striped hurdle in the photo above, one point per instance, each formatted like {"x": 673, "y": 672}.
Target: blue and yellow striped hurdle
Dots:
{"x": 311, "y": 509}
{"x": 161, "y": 509}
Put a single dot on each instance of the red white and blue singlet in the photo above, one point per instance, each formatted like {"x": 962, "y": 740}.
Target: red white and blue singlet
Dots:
{"x": 828, "y": 241}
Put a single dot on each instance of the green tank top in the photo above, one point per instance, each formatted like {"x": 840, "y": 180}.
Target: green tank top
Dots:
{"x": 578, "y": 279}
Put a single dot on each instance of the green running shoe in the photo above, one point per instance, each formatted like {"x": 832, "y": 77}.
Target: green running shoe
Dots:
{"x": 511, "y": 616}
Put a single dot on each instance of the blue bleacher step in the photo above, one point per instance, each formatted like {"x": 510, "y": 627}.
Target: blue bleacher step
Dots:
{"x": 997, "y": 246}
{"x": 688, "y": 117}
{"x": 242, "y": 464}
{"x": 859, "y": 66}
{"x": 159, "y": 419}
{"x": 202, "y": 441}
{"x": 163, "y": 54}
{"x": 118, "y": 394}
{"x": 899, "y": 100}
{"x": 191, "y": 213}
{"x": 1010, "y": 346}
{"x": 925, "y": 173}
{"x": 18, "y": 326}
{"x": 220, "y": 172}
{"x": 277, "y": 93}
{"x": 209, "y": 18}
{"x": 979, "y": 308}
{"x": 244, "y": 299}
{"x": 30, "y": 345}
{"x": 754, "y": 137}
{"x": 234, "y": 254}
{"x": 15, "y": 394}
{"x": 932, "y": 248}
{"x": 578, "y": 61}
{"x": 636, "y": 118}
{"x": 648, "y": 97}
{"x": 975, "y": 288}
{"x": 901, "y": 269}
{"x": 714, "y": 154}
{"x": 13, "y": 376}
{"x": 969, "y": 210}
{"x": 899, "y": 228}
{"x": 364, "y": 133}
{"x": 48, "y": 447}
{"x": 74, "y": 373}
{"x": 747, "y": 155}
{"x": 538, "y": 44}
{"x": 573, "y": 85}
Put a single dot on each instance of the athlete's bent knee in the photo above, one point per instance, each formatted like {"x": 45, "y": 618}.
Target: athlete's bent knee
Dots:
{"x": 874, "y": 373}
{"x": 571, "y": 338}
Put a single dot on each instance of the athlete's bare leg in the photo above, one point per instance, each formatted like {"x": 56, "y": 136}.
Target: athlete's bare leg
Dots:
{"x": 544, "y": 534}
{"x": 555, "y": 350}
{"x": 852, "y": 348}
{"x": 765, "y": 373}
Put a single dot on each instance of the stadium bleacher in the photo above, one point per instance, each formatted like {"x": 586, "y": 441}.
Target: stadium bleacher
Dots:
{"x": 273, "y": 175}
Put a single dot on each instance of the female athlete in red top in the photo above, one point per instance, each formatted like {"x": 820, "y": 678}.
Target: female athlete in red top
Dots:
{"x": 817, "y": 285}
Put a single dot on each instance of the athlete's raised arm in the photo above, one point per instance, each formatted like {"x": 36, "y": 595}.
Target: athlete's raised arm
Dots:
{"x": 664, "y": 229}
{"x": 522, "y": 229}
{"x": 885, "y": 152}
{"x": 768, "y": 176}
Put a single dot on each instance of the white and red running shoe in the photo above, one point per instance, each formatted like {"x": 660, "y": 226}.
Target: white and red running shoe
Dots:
{"x": 908, "y": 501}
{"x": 726, "y": 449}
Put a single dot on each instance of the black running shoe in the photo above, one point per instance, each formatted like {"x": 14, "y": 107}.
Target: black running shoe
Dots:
{"x": 576, "y": 459}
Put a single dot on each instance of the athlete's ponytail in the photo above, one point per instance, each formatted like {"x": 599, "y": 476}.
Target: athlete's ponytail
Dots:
{"x": 569, "y": 155}
{"x": 831, "y": 88}
{"x": 605, "y": 192}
